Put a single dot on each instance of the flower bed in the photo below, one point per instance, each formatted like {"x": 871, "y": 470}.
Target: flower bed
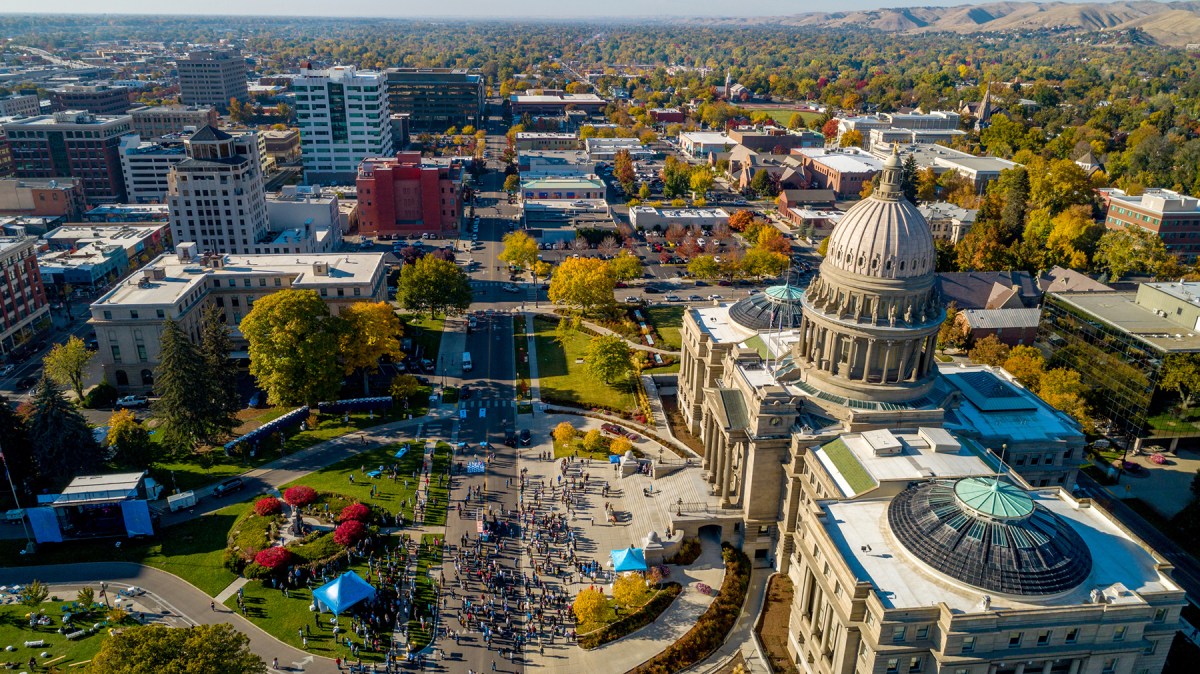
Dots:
{"x": 689, "y": 551}
{"x": 714, "y": 625}
{"x": 633, "y": 622}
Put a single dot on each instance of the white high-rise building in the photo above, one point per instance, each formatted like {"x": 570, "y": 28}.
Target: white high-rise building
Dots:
{"x": 343, "y": 115}
{"x": 147, "y": 167}
{"x": 216, "y": 195}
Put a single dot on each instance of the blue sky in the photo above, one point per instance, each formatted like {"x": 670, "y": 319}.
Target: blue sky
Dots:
{"x": 558, "y": 9}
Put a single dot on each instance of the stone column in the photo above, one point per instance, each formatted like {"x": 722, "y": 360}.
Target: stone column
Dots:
{"x": 1020, "y": 668}
{"x": 728, "y": 476}
{"x": 743, "y": 453}
{"x": 1075, "y": 666}
{"x": 708, "y": 451}
{"x": 905, "y": 355}
{"x": 835, "y": 355}
{"x": 719, "y": 443}
{"x": 852, "y": 357}
{"x": 887, "y": 361}
{"x": 829, "y": 339}
{"x": 867, "y": 361}
{"x": 1047, "y": 666}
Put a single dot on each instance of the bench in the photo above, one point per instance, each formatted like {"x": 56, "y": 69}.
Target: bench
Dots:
{"x": 35, "y": 644}
{"x": 76, "y": 635}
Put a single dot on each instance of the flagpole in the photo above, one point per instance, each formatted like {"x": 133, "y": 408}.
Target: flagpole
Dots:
{"x": 16, "y": 500}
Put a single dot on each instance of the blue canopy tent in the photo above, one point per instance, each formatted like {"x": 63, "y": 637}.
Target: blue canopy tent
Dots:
{"x": 629, "y": 559}
{"x": 343, "y": 592}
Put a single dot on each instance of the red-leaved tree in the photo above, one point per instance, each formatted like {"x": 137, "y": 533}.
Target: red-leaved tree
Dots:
{"x": 300, "y": 496}
{"x": 355, "y": 511}
{"x": 273, "y": 558}
{"x": 349, "y": 533}
{"x": 268, "y": 505}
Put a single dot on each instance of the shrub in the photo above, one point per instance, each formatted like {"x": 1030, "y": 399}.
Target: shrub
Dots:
{"x": 268, "y": 505}
{"x": 689, "y": 550}
{"x": 594, "y": 441}
{"x": 103, "y": 394}
{"x": 349, "y": 533}
{"x": 316, "y": 548}
{"x": 273, "y": 558}
{"x": 300, "y": 496}
{"x": 254, "y": 571}
{"x": 355, "y": 511}
{"x": 589, "y": 605}
{"x": 564, "y": 432}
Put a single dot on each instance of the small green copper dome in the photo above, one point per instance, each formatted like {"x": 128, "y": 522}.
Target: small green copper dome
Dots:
{"x": 991, "y": 497}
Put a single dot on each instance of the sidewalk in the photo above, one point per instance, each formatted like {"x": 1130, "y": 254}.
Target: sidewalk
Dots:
{"x": 742, "y": 638}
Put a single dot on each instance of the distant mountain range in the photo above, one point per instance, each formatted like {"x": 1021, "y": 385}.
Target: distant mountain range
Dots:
{"x": 1174, "y": 23}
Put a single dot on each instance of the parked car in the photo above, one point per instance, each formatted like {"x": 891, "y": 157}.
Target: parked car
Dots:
{"x": 7, "y": 370}
{"x": 228, "y": 487}
{"x": 131, "y": 402}
{"x": 465, "y": 393}
{"x": 510, "y": 439}
{"x": 633, "y": 299}
{"x": 25, "y": 383}
{"x": 714, "y": 296}
{"x": 694, "y": 298}
{"x": 672, "y": 298}
{"x": 526, "y": 438}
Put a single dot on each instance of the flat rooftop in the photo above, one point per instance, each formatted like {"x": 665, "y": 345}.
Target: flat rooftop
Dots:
{"x": 855, "y": 466}
{"x": 1121, "y": 310}
{"x": 707, "y": 138}
{"x": 182, "y": 277}
{"x": 563, "y": 182}
{"x": 555, "y": 98}
{"x": 715, "y": 321}
{"x": 8, "y": 243}
{"x": 861, "y": 531}
{"x": 125, "y": 235}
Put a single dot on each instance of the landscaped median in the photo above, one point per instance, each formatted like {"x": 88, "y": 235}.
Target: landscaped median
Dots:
{"x": 709, "y": 632}
{"x": 632, "y": 622}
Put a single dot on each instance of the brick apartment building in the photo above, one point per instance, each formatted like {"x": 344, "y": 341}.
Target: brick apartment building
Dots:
{"x": 843, "y": 170}
{"x": 403, "y": 195}
{"x": 1173, "y": 217}
{"x": 43, "y": 197}
{"x": 22, "y": 296}
{"x": 77, "y": 144}
{"x": 97, "y": 99}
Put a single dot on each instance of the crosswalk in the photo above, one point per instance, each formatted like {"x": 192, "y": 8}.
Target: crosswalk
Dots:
{"x": 476, "y": 403}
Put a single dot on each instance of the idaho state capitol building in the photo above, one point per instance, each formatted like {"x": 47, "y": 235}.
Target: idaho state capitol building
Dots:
{"x": 925, "y": 515}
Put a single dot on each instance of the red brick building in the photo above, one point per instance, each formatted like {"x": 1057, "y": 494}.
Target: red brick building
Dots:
{"x": 21, "y": 292}
{"x": 409, "y": 195}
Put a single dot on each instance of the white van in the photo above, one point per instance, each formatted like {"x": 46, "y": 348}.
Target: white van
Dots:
{"x": 466, "y": 361}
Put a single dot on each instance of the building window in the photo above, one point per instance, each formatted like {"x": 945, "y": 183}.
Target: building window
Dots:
{"x": 915, "y": 664}
{"x": 141, "y": 349}
{"x": 893, "y": 666}
{"x": 1044, "y": 638}
{"x": 133, "y": 313}
{"x": 923, "y": 632}
{"x": 1150, "y": 648}
{"x": 1110, "y": 665}
{"x": 968, "y": 645}
{"x": 116, "y": 353}
{"x": 160, "y": 313}
{"x": 1160, "y": 615}
{"x": 1119, "y": 633}
{"x": 864, "y": 651}
{"x": 898, "y": 634}
{"x": 108, "y": 315}
{"x": 1072, "y": 635}
{"x": 1014, "y": 639}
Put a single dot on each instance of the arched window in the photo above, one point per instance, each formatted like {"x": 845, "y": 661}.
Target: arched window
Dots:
{"x": 147, "y": 378}
{"x": 122, "y": 378}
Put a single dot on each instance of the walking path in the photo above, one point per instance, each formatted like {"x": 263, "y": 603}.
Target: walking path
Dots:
{"x": 600, "y": 329}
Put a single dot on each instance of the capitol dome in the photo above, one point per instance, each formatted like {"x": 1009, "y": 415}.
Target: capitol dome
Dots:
{"x": 776, "y": 308}
{"x": 991, "y": 535}
{"x": 883, "y": 236}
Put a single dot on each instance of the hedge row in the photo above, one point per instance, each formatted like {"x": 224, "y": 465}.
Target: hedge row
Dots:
{"x": 634, "y": 621}
{"x": 709, "y": 632}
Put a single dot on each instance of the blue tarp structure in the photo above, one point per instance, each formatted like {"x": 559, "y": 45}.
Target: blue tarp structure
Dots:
{"x": 343, "y": 592}
{"x": 629, "y": 559}
{"x": 614, "y": 458}
{"x": 137, "y": 518}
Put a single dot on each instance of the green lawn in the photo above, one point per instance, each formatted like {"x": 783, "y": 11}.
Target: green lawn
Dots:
{"x": 64, "y": 653}
{"x": 667, "y": 321}
{"x": 1172, "y": 423}
{"x": 521, "y": 356}
{"x": 192, "y": 550}
{"x": 429, "y": 557}
{"x": 562, "y": 379}
{"x": 665, "y": 369}
{"x": 425, "y": 331}
{"x": 391, "y": 496}
{"x": 783, "y": 115}
{"x": 284, "y": 617}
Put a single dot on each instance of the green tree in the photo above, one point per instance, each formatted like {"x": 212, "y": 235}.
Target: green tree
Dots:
{"x": 512, "y": 183}
{"x": 293, "y": 345}
{"x": 153, "y": 649}
{"x": 372, "y": 331}
{"x": 220, "y": 382}
{"x": 608, "y": 358}
{"x": 434, "y": 286}
{"x": 129, "y": 441}
{"x": 520, "y": 250}
{"x": 86, "y": 596}
{"x": 763, "y": 184}
{"x": 1016, "y": 203}
{"x": 182, "y": 396}
{"x": 762, "y": 262}
{"x": 951, "y": 335}
{"x": 1181, "y": 373}
{"x": 796, "y": 121}
{"x": 1059, "y": 184}
{"x": 62, "y": 442}
{"x": 583, "y": 282}
{"x": 644, "y": 191}
{"x": 33, "y": 594}
{"x": 989, "y": 351}
{"x": 704, "y": 267}
{"x": 1130, "y": 249}
{"x": 404, "y": 386}
{"x": 14, "y": 442}
{"x": 927, "y": 184}
{"x": 625, "y": 267}
{"x": 852, "y": 138}
{"x": 67, "y": 364}
{"x": 909, "y": 178}
{"x": 594, "y": 441}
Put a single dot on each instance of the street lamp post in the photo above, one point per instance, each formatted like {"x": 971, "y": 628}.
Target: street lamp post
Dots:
{"x": 16, "y": 499}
